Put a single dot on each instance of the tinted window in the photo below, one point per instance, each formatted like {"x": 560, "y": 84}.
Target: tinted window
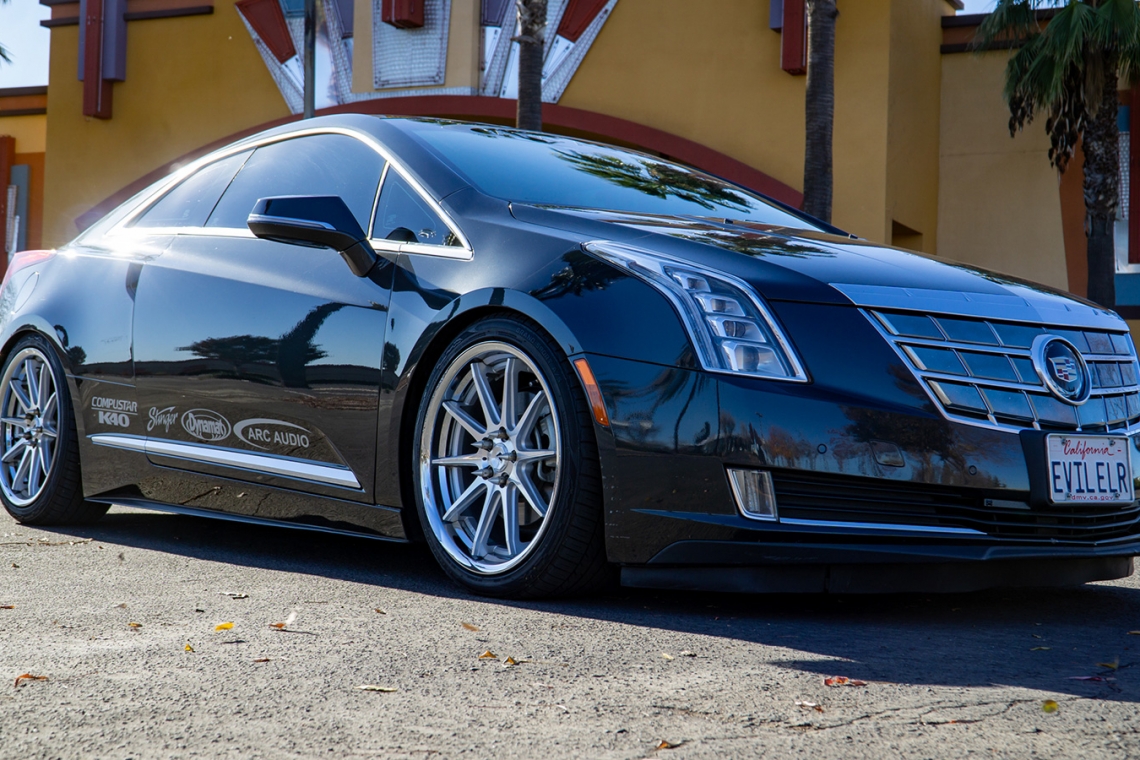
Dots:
{"x": 317, "y": 165}
{"x": 402, "y": 207}
{"x": 192, "y": 200}
{"x": 559, "y": 171}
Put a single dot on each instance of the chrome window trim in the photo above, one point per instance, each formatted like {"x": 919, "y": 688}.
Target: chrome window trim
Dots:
{"x": 880, "y": 526}
{"x": 264, "y": 464}
{"x": 123, "y": 226}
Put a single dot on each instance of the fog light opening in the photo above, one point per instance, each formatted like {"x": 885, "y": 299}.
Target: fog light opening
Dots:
{"x": 754, "y": 494}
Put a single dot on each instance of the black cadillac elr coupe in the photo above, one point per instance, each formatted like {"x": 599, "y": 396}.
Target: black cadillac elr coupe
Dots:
{"x": 551, "y": 360}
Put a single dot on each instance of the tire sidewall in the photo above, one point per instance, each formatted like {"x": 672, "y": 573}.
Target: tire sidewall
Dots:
{"x": 554, "y": 366}
{"x": 65, "y": 434}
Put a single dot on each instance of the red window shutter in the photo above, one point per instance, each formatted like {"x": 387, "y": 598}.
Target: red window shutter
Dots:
{"x": 403, "y": 14}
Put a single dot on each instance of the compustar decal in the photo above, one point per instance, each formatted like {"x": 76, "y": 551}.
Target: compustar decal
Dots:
{"x": 114, "y": 411}
{"x": 206, "y": 425}
{"x": 262, "y": 433}
{"x": 161, "y": 417}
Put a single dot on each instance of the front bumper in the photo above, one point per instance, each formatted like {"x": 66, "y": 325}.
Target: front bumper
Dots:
{"x": 962, "y": 513}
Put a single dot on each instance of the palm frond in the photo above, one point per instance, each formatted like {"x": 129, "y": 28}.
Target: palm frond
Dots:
{"x": 1011, "y": 20}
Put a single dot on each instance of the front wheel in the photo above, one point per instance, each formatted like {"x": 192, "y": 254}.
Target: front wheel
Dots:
{"x": 39, "y": 451}
{"x": 508, "y": 483}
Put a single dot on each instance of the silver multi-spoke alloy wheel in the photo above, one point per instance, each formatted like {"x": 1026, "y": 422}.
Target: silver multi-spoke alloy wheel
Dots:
{"x": 490, "y": 458}
{"x": 29, "y": 427}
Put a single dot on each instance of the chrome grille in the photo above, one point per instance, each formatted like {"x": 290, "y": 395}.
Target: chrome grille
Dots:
{"x": 980, "y": 371}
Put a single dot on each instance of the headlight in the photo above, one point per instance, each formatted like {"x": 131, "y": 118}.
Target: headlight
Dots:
{"x": 731, "y": 328}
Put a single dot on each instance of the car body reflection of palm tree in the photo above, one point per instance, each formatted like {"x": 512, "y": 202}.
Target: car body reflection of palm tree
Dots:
{"x": 290, "y": 354}
{"x": 659, "y": 180}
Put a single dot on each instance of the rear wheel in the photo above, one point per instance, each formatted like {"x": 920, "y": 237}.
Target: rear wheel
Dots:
{"x": 508, "y": 484}
{"x": 39, "y": 451}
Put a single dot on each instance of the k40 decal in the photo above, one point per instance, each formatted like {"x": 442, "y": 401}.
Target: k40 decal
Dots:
{"x": 263, "y": 433}
{"x": 206, "y": 425}
{"x": 116, "y": 412}
{"x": 163, "y": 418}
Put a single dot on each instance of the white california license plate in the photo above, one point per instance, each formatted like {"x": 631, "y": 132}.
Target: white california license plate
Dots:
{"x": 1088, "y": 468}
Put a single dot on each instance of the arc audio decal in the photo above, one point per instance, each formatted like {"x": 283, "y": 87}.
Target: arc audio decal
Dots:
{"x": 263, "y": 433}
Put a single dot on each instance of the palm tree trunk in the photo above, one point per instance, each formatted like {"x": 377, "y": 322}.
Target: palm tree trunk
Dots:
{"x": 819, "y": 107}
{"x": 1102, "y": 193}
{"x": 532, "y": 28}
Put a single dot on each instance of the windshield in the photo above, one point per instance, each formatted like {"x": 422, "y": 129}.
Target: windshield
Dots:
{"x": 542, "y": 169}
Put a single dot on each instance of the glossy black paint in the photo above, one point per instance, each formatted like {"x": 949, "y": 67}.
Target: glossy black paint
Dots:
{"x": 281, "y": 350}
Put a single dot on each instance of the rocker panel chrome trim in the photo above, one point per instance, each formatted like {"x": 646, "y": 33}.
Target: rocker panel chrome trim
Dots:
{"x": 265, "y": 464}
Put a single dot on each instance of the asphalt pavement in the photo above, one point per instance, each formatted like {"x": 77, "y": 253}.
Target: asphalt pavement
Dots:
{"x": 159, "y": 636}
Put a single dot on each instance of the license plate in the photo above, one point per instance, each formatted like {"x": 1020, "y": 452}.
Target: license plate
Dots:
{"x": 1088, "y": 468}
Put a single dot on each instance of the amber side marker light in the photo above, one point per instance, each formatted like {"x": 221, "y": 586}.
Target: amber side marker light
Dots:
{"x": 593, "y": 392}
{"x": 23, "y": 260}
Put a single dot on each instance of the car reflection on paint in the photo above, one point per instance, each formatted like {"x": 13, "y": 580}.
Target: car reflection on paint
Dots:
{"x": 558, "y": 362}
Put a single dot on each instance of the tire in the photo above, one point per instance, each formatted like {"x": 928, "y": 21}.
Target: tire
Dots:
{"x": 477, "y": 465}
{"x": 40, "y": 482}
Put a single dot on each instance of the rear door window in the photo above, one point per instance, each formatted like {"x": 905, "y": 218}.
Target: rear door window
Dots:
{"x": 190, "y": 202}
{"x": 313, "y": 165}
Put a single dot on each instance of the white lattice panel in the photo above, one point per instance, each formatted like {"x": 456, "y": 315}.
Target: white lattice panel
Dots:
{"x": 410, "y": 57}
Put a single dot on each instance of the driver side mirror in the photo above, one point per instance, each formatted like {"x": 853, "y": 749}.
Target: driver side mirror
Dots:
{"x": 322, "y": 221}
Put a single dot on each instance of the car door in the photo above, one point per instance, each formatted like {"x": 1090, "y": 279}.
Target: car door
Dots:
{"x": 259, "y": 360}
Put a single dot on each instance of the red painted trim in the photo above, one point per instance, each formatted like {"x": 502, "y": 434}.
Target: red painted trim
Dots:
{"x": 1134, "y": 177}
{"x": 793, "y": 38}
{"x": 7, "y": 160}
{"x": 268, "y": 20}
{"x": 577, "y": 16}
{"x": 96, "y": 89}
{"x": 555, "y": 118}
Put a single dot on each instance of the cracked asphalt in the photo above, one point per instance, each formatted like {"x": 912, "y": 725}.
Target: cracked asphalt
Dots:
{"x": 631, "y": 674}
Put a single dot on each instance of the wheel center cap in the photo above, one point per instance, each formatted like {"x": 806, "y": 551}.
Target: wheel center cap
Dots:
{"x": 499, "y": 458}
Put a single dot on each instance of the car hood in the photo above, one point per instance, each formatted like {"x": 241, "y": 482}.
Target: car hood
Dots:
{"x": 807, "y": 265}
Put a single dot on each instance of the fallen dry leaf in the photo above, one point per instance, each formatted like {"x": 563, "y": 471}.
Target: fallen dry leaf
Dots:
{"x": 223, "y": 626}
{"x": 262, "y": 659}
{"x": 667, "y": 656}
{"x": 233, "y": 595}
{"x": 381, "y": 610}
{"x": 470, "y": 627}
{"x": 374, "y": 687}
{"x": 135, "y": 625}
{"x": 1110, "y": 665}
{"x": 15, "y": 565}
{"x": 843, "y": 681}
{"x": 809, "y": 705}
{"x": 1049, "y": 706}
{"x": 278, "y": 626}
{"x": 509, "y": 661}
{"x": 29, "y": 677}
{"x": 7, "y": 606}
{"x": 1134, "y": 633}
{"x": 122, "y": 606}
{"x": 188, "y": 648}
{"x": 687, "y": 653}
{"x": 668, "y": 744}
{"x": 488, "y": 655}
{"x": 1040, "y": 649}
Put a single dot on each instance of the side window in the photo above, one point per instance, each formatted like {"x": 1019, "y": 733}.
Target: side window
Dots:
{"x": 192, "y": 200}
{"x": 315, "y": 165}
{"x": 403, "y": 215}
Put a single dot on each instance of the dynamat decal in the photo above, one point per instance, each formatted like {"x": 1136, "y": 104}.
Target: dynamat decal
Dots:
{"x": 161, "y": 418}
{"x": 206, "y": 425}
{"x": 261, "y": 433}
{"x": 114, "y": 411}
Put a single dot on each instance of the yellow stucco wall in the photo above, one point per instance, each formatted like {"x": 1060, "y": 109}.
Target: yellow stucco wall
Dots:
{"x": 913, "y": 119}
{"x": 998, "y": 201}
{"x": 190, "y": 81}
{"x": 711, "y": 77}
{"x": 30, "y": 132}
